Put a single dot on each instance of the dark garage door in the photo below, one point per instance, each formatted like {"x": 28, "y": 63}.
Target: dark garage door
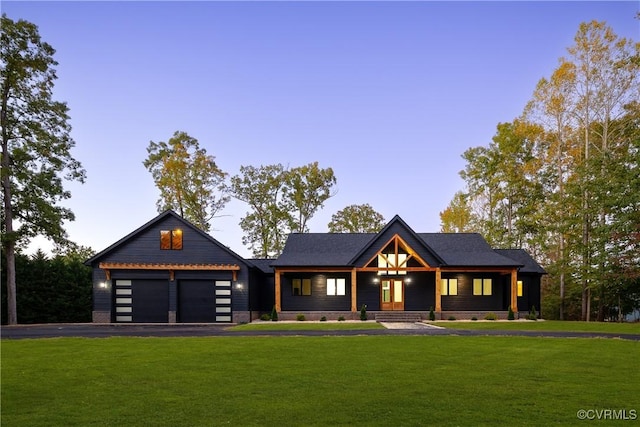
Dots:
{"x": 150, "y": 301}
{"x": 196, "y": 301}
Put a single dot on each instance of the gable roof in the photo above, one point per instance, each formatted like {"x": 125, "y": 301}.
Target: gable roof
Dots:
{"x": 262, "y": 264}
{"x": 445, "y": 249}
{"x": 466, "y": 250}
{"x": 151, "y": 223}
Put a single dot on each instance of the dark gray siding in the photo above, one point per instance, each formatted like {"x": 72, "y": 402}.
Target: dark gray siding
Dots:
{"x": 101, "y": 295}
{"x": 420, "y": 292}
{"x": 318, "y": 300}
{"x": 465, "y": 300}
{"x": 368, "y": 291}
{"x": 530, "y": 293}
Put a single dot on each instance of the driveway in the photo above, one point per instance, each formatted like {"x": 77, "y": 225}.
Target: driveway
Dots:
{"x": 90, "y": 330}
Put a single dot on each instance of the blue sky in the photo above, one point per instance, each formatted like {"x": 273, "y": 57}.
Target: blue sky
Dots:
{"x": 388, "y": 94}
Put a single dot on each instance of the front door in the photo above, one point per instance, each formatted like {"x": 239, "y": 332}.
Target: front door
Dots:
{"x": 391, "y": 294}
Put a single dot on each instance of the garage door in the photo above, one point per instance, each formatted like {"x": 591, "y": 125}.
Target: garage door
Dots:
{"x": 142, "y": 301}
{"x": 204, "y": 301}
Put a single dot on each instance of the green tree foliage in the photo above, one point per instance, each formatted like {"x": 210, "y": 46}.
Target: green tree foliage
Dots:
{"x": 563, "y": 181}
{"x": 281, "y": 201}
{"x": 53, "y": 290}
{"x": 188, "y": 178}
{"x": 457, "y": 216}
{"x": 356, "y": 219}
{"x": 306, "y": 189}
{"x": 36, "y": 146}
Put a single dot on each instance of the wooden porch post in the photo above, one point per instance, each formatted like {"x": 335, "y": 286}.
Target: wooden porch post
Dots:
{"x": 277, "y": 291}
{"x": 514, "y": 290}
{"x": 354, "y": 304}
{"x": 438, "y": 290}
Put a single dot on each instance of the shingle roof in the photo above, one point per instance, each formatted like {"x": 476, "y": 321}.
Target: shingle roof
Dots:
{"x": 263, "y": 264}
{"x": 466, "y": 250}
{"x": 529, "y": 264}
{"x": 322, "y": 249}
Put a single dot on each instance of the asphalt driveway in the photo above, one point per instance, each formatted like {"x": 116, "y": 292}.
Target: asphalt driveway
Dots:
{"x": 90, "y": 330}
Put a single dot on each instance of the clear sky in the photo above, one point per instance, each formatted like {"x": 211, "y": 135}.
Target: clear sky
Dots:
{"x": 388, "y": 94}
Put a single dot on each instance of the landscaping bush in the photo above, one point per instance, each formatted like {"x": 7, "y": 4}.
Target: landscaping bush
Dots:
{"x": 474, "y": 318}
{"x": 341, "y": 319}
{"x": 432, "y": 315}
{"x": 274, "y": 314}
{"x": 491, "y": 316}
{"x": 511, "y": 316}
{"x": 532, "y": 313}
{"x": 452, "y": 317}
{"x": 363, "y": 312}
{"x": 265, "y": 316}
{"x": 323, "y": 319}
{"x": 300, "y": 318}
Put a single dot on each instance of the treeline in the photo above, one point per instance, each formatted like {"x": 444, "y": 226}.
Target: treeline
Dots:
{"x": 563, "y": 180}
{"x": 51, "y": 290}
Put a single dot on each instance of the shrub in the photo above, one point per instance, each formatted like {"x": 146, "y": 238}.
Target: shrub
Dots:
{"x": 491, "y": 316}
{"x": 265, "y": 316}
{"x": 532, "y": 313}
{"x": 363, "y": 312}
{"x": 511, "y": 316}
{"x": 474, "y": 318}
{"x": 341, "y": 319}
{"x": 432, "y": 315}
{"x": 300, "y": 318}
{"x": 452, "y": 317}
{"x": 323, "y": 319}
{"x": 274, "y": 314}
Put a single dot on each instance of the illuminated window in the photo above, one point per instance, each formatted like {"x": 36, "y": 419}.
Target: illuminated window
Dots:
{"x": 171, "y": 239}
{"x": 482, "y": 286}
{"x": 336, "y": 286}
{"x": 301, "y": 287}
{"x": 449, "y": 287}
{"x": 390, "y": 261}
{"x": 519, "y": 288}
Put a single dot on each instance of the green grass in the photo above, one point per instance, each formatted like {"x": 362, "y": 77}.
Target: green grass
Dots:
{"x": 362, "y": 380}
{"x": 547, "y": 325}
{"x": 306, "y": 326}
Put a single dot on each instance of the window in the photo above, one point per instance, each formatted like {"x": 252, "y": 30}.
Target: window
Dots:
{"x": 390, "y": 261}
{"x": 482, "y": 286}
{"x": 171, "y": 239}
{"x": 301, "y": 287}
{"x": 519, "y": 288}
{"x": 449, "y": 287}
{"x": 336, "y": 286}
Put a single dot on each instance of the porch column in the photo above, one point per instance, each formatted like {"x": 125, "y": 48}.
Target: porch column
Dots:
{"x": 438, "y": 290}
{"x": 354, "y": 304}
{"x": 277, "y": 291}
{"x": 514, "y": 290}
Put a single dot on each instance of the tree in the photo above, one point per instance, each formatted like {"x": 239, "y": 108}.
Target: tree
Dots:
{"x": 356, "y": 219}
{"x": 307, "y": 188}
{"x": 36, "y": 146}
{"x": 266, "y": 225}
{"x": 457, "y": 216}
{"x": 189, "y": 180}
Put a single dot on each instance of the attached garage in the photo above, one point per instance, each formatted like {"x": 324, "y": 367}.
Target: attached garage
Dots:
{"x": 204, "y": 301}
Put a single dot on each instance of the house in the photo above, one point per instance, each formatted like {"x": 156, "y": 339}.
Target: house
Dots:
{"x": 170, "y": 271}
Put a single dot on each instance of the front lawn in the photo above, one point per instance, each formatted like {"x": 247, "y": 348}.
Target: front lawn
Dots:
{"x": 547, "y": 325}
{"x": 357, "y": 380}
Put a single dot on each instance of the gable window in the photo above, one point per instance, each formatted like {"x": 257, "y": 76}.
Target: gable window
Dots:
{"x": 301, "y": 287}
{"x": 449, "y": 287}
{"x": 171, "y": 239}
{"x": 397, "y": 260}
{"x": 482, "y": 286}
{"x": 519, "y": 288}
{"x": 336, "y": 286}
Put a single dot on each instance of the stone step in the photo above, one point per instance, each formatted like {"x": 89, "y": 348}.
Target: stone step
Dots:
{"x": 398, "y": 317}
